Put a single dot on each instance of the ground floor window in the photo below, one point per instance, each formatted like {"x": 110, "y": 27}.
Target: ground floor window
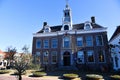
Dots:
{"x": 45, "y": 57}
{"x": 37, "y": 57}
{"x": 80, "y": 57}
{"x": 90, "y": 56}
{"x": 101, "y": 56}
{"x": 54, "y": 57}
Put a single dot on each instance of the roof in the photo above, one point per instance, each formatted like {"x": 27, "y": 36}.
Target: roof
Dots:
{"x": 75, "y": 26}
{"x": 117, "y": 31}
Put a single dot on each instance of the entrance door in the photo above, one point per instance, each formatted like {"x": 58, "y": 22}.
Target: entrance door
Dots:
{"x": 66, "y": 59}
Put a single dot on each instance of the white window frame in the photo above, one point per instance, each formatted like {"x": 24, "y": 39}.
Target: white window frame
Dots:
{"x": 88, "y": 56}
{"x": 81, "y": 56}
{"x": 101, "y": 40}
{"x": 52, "y": 43}
{"x": 47, "y": 57}
{"x": 52, "y": 56}
{"x": 64, "y": 42}
{"x": 79, "y": 40}
{"x": 37, "y": 43}
{"x": 104, "y": 56}
{"x": 89, "y": 41}
{"x": 44, "y": 44}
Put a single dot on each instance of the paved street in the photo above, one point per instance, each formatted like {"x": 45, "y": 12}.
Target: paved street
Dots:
{"x": 11, "y": 77}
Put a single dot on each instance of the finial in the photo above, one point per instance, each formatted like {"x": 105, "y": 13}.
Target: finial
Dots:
{"x": 66, "y": 3}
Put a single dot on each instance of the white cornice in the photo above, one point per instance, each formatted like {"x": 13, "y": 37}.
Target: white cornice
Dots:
{"x": 70, "y": 32}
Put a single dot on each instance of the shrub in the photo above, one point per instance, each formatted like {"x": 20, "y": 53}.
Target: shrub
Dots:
{"x": 16, "y": 73}
{"x": 70, "y": 76}
{"x": 39, "y": 74}
{"x": 4, "y": 71}
{"x": 94, "y": 77}
{"x": 115, "y": 77}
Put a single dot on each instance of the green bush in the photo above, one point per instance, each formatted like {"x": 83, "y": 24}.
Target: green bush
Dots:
{"x": 93, "y": 77}
{"x": 115, "y": 77}
{"x": 4, "y": 71}
{"x": 39, "y": 74}
{"x": 70, "y": 76}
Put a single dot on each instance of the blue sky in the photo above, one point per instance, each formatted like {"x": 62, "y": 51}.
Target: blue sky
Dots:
{"x": 19, "y": 19}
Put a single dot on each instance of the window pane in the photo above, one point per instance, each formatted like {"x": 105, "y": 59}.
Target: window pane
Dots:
{"x": 101, "y": 56}
{"x": 45, "y": 57}
{"x": 46, "y": 43}
{"x": 90, "y": 56}
{"x": 37, "y": 57}
{"x": 54, "y": 43}
{"x": 99, "y": 41}
{"x": 80, "y": 57}
{"x": 79, "y": 41}
{"x": 38, "y": 43}
{"x": 89, "y": 41}
{"x": 66, "y": 42}
{"x": 54, "y": 57}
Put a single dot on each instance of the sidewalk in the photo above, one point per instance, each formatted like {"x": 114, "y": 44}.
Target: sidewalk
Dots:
{"x": 12, "y": 77}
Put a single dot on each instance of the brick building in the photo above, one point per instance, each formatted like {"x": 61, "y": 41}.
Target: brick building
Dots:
{"x": 82, "y": 45}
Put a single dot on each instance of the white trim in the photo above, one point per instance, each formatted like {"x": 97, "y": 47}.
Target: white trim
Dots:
{"x": 97, "y": 30}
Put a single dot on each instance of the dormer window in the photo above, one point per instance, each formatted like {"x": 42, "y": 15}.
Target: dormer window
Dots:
{"x": 87, "y": 26}
{"x": 47, "y": 29}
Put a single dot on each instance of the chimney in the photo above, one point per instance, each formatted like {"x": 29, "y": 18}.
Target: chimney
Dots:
{"x": 44, "y": 24}
{"x": 93, "y": 19}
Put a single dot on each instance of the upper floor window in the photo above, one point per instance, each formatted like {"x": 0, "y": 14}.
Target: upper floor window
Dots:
{"x": 66, "y": 27}
{"x": 89, "y": 41}
{"x": 99, "y": 40}
{"x": 54, "y": 43}
{"x": 38, "y": 43}
{"x": 101, "y": 56}
{"x": 79, "y": 41}
{"x": 66, "y": 42}
{"x": 46, "y": 43}
{"x": 54, "y": 57}
{"x": 80, "y": 57}
{"x": 90, "y": 56}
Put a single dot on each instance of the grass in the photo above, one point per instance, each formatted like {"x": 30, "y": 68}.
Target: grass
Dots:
{"x": 70, "y": 76}
{"x": 4, "y": 71}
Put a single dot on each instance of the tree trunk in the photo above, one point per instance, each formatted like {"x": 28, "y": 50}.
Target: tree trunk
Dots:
{"x": 20, "y": 77}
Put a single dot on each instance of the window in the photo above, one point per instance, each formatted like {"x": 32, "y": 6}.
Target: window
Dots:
{"x": 46, "y": 29}
{"x": 79, "y": 41}
{"x": 66, "y": 42}
{"x": 90, "y": 56}
{"x": 46, "y": 43}
{"x": 89, "y": 41}
{"x": 66, "y": 27}
{"x": 54, "y": 57}
{"x": 54, "y": 43}
{"x": 101, "y": 56}
{"x": 37, "y": 57}
{"x": 45, "y": 57}
{"x": 38, "y": 43}
{"x": 80, "y": 57}
{"x": 99, "y": 40}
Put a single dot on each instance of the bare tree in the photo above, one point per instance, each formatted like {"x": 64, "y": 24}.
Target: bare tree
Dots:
{"x": 10, "y": 57}
{"x": 21, "y": 62}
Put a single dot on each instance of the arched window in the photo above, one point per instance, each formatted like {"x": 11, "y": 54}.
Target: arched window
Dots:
{"x": 87, "y": 27}
{"x": 66, "y": 27}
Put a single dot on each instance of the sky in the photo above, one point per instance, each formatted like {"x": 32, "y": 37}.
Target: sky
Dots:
{"x": 19, "y": 19}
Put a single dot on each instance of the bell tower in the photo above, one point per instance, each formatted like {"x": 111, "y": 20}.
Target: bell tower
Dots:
{"x": 67, "y": 18}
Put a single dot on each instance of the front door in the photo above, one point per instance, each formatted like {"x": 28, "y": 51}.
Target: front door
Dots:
{"x": 66, "y": 59}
